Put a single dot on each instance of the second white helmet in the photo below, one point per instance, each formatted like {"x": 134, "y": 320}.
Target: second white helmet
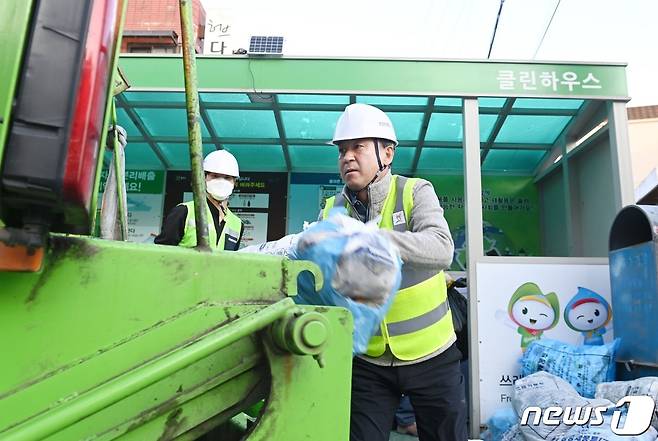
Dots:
{"x": 363, "y": 121}
{"x": 223, "y": 162}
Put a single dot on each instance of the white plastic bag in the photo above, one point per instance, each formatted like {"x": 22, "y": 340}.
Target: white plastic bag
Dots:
{"x": 546, "y": 390}
{"x": 282, "y": 247}
{"x": 604, "y": 433}
{"x": 361, "y": 269}
{"x": 616, "y": 390}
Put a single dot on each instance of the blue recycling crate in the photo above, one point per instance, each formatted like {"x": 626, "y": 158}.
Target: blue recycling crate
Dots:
{"x": 634, "y": 284}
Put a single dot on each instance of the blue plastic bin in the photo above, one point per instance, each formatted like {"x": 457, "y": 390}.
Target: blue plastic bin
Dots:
{"x": 634, "y": 282}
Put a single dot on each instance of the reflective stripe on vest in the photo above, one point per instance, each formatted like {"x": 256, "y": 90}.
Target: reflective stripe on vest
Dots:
{"x": 418, "y": 322}
{"x": 228, "y": 238}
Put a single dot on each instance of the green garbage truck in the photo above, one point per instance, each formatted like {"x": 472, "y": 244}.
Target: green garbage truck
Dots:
{"x": 105, "y": 339}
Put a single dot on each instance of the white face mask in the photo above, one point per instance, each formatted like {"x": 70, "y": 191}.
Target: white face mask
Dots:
{"x": 219, "y": 188}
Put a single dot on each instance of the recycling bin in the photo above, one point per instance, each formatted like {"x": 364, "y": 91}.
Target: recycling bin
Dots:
{"x": 634, "y": 284}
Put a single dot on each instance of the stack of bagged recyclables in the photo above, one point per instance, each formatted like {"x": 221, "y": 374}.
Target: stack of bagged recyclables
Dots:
{"x": 361, "y": 269}
{"x": 544, "y": 390}
{"x": 582, "y": 366}
{"x": 557, "y": 374}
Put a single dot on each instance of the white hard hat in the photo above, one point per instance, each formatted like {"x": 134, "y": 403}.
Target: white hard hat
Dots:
{"x": 223, "y": 162}
{"x": 363, "y": 121}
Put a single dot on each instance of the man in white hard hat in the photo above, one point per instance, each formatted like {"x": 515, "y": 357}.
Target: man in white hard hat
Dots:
{"x": 225, "y": 228}
{"x": 414, "y": 351}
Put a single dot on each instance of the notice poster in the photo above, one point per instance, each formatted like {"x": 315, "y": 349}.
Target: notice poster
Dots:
{"x": 510, "y": 213}
{"x": 255, "y": 228}
{"x": 327, "y": 191}
{"x": 144, "y": 196}
{"x": 248, "y": 201}
{"x": 520, "y": 303}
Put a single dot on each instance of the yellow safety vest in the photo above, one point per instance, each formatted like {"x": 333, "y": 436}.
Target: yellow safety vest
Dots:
{"x": 419, "y": 321}
{"x": 228, "y": 237}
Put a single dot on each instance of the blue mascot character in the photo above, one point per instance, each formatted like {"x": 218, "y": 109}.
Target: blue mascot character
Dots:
{"x": 589, "y": 313}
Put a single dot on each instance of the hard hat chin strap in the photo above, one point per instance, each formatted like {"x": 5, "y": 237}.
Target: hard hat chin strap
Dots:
{"x": 379, "y": 161}
{"x": 381, "y": 166}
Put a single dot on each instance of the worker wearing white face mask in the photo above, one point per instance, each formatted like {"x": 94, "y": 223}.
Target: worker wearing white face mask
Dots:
{"x": 224, "y": 228}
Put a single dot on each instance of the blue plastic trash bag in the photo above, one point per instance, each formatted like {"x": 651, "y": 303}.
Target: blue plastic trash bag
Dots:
{"x": 361, "y": 270}
{"x": 581, "y": 366}
{"x": 500, "y": 423}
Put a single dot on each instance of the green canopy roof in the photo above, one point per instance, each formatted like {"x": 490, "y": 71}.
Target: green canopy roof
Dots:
{"x": 289, "y": 132}
{"x": 286, "y": 130}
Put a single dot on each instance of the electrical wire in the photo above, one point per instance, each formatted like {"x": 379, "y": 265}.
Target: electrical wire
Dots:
{"x": 546, "y": 30}
{"x": 253, "y": 78}
{"x": 493, "y": 37}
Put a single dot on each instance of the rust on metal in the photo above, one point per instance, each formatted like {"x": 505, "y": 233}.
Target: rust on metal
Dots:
{"x": 173, "y": 424}
{"x": 284, "y": 278}
{"x": 193, "y": 126}
{"x": 146, "y": 415}
{"x": 60, "y": 248}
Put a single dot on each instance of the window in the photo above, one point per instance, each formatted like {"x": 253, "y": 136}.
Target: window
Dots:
{"x": 151, "y": 49}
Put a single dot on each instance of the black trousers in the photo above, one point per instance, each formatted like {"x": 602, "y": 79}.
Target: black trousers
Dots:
{"x": 436, "y": 391}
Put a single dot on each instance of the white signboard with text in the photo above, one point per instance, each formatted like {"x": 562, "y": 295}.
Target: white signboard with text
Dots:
{"x": 255, "y": 228}
{"x": 519, "y": 303}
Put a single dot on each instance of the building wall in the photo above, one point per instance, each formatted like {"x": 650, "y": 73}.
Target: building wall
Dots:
{"x": 161, "y": 15}
{"x": 643, "y": 139}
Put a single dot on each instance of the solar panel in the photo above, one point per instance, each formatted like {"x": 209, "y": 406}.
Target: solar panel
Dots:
{"x": 260, "y": 45}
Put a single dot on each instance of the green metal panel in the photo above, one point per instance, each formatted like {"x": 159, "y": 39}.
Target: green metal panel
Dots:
{"x": 554, "y": 217}
{"x": 449, "y": 78}
{"x": 138, "y": 341}
{"x": 14, "y": 26}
